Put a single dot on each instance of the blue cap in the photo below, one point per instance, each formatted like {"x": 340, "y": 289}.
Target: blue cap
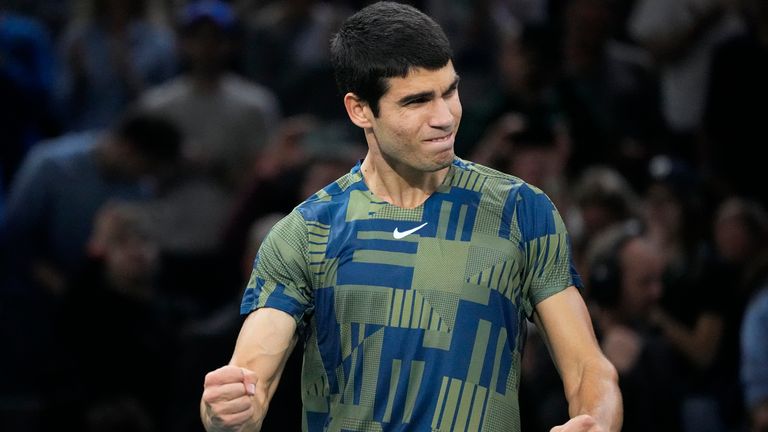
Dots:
{"x": 216, "y": 11}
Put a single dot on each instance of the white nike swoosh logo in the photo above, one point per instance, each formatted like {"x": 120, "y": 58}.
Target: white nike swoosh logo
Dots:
{"x": 398, "y": 235}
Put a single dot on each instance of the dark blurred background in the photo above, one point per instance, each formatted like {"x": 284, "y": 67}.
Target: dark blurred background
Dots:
{"x": 147, "y": 147}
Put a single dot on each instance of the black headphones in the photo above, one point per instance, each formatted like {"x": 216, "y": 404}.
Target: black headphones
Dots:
{"x": 605, "y": 271}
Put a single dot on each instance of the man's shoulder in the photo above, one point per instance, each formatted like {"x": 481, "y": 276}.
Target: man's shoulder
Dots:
{"x": 248, "y": 92}
{"x": 316, "y": 213}
{"x": 503, "y": 191}
{"x": 70, "y": 146}
{"x": 49, "y": 164}
{"x": 485, "y": 180}
{"x": 168, "y": 93}
{"x": 463, "y": 165}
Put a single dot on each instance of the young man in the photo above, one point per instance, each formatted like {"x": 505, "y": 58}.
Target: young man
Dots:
{"x": 408, "y": 281}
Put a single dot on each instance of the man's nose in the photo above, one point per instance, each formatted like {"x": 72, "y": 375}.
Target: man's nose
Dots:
{"x": 442, "y": 116}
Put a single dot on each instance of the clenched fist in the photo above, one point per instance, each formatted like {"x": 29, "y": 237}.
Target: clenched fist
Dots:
{"x": 231, "y": 400}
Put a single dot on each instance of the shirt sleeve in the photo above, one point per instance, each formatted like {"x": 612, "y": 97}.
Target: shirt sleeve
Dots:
{"x": 280, "y": 277}
{"x": 548, "y": 263}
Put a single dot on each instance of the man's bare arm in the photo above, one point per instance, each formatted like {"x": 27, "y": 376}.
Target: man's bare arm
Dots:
{"x": 236, "y": 396}
{"x": 589, "y": 379}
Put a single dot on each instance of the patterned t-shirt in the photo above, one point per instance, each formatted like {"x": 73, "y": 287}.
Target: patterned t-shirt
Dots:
{"x": 414, "y": 319}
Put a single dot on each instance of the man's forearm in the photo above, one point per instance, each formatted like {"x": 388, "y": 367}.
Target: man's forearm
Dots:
{"x": 597, "y": 394}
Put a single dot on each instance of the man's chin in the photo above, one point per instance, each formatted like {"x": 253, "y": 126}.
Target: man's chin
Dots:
{"x": 444, "y": 160}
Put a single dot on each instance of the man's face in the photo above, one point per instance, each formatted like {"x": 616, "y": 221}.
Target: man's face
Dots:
{"x": 206, "y": 47}
{"x": 418, "y": 119}
{"x": 732, "y": 239}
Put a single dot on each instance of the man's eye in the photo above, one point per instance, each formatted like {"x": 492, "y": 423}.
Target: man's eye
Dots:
{"x": 416, "y": 101}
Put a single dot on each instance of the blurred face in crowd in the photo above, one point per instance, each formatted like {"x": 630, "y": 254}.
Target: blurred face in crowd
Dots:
{"x": 206, "y": 47}
{"x": 597, "y": 216}
{"x": 131, "y": 255}
{"x": 121, "y": 159}
{"x": 418, "y": 118}
{"x": 641, "y": 266}
{"x": 740, "y": 230}
{"x": 663, "y": 209}
{"x": 732, "y": 238}
{"x": 123, "y": 240}
{"x": 532, "y": 164}
{"x": 514, "y": 63}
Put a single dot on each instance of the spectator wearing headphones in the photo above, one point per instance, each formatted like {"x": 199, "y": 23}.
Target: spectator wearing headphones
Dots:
{"x": 624, "y": 285}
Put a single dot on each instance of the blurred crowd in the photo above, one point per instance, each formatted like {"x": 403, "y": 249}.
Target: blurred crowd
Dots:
{"x": 147, "y": 147}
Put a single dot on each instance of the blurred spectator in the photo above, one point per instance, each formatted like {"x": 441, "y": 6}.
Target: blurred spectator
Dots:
{"x": 479, "y": 30}
{"x": 691, "y": 315}
{"x": 53, "y": 14}
{"x": 674, "y": 202}
{"x": 304, "y": 156}
{"x": 63, "y": 182}
{"x": 462, "y": 19}
{"x": 702, "y": 311}
{"x": 227, "y": 120}
{"x": 525, "y": 71}
{"x": 607, "y": 91}
{"x": 603, "y": 198}
{"x": 622, "y": 289}
{"x": 110, "y": 52}
{"x": 754, "y": 360}
{"x": 741, "y": 237}
{"x": 734, "y": 122}
{"x": 188, "y": 214}
{"x": 625, "y": 285}
{"x": 680, "y": 35}
{"x": 26, "y": 80}
{"x": 50, "y": 211}
{"x": 286, "y": 48}
{"x": 113, "y": 310}
{"x": 530, "y": 148}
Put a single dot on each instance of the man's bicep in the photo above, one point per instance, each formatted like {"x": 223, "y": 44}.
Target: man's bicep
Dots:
{"x": 565, "y": 325}
{"x": 265, "y": 342}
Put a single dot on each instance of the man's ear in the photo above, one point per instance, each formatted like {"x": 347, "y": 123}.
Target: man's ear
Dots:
{"x": 358, "y": 110}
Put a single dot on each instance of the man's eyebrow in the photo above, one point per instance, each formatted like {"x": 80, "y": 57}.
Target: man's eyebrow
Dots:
{"x": 415, "y": 96}
{"x": 427, "y": 94}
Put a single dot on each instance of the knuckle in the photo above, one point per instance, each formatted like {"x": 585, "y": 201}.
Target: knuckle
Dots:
{"x": 207, "y": 395}
{"x": 209, "y": 377}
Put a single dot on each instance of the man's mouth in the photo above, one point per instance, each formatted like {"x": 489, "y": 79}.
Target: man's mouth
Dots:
{"x": 441, "y": 139}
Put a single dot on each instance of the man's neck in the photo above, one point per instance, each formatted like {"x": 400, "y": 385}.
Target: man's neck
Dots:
{"x": 397, "y": 184}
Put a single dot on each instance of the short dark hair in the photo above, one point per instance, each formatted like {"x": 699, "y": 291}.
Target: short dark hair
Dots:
{"x": 153, "y": 135}
{"x": 384, "y": 40}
